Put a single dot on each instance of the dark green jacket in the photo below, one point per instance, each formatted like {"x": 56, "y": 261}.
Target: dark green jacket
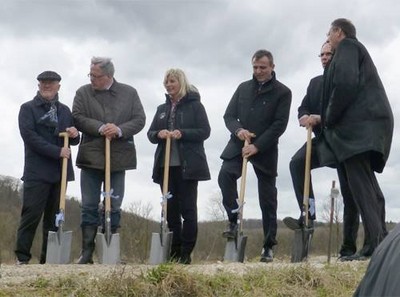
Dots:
{"x": 91, "y": 109}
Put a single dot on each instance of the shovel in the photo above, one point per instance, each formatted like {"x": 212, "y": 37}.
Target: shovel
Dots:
{"x": 59, "y": 243}
{"x": 235, "y": 247}
{"x": 303, "y": 236}
{"x": 161, "y": 242}
{"x": 107, "y": 244}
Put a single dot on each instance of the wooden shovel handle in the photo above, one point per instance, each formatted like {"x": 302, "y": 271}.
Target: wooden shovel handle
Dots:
{"x": 307, "y": 175}
{"x": 242, "y": 187}
{"x": 107, "y": 172}
{"x": 244, "y": 174}
{"x": 166, "y": 178}
{"x": 64, "y": 172}
{"x": 166, "y": 165}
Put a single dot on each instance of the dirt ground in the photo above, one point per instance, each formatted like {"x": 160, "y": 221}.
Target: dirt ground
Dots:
{"x": 14, "y": 274}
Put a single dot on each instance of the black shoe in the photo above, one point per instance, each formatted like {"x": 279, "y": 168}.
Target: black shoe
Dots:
{"x": 185, "y": 259}
{"x": 267, "y": 255}
{"x": 355, "y": 257}
{"x": 362, "y": 255}
{"x": 292, "y": 223}
{"x": 18, "y": 262}
{"x": 345, "y": 253}
{"x": 231, "y": 231}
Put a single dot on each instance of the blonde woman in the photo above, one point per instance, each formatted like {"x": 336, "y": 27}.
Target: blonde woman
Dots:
{"x": 183, "y": 118}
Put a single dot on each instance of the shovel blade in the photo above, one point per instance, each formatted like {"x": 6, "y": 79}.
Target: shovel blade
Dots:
{"x": 159, "y": 251}
{"x": 108, "y": 253}
{"x": 301, "y": 244}
{"x": 59, "y": 247}
{"x": 235, "y": 249}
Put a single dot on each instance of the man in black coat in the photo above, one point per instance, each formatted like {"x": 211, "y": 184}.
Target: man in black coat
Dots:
{"x": 40, "y": 121}
{"x": 258, "y": 112}
{"x": 357, "y": 125}
{"x": 309, "y": 115}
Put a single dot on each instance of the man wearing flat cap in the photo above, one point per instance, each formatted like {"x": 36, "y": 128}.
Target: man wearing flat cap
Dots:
{"x": 49, "y": 76}
{"x": 40, "y": 122}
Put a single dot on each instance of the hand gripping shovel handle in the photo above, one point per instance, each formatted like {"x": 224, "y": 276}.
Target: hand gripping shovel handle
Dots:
{"x": 307, "y": 175}
{"x": 107, "y": 182}
{"x": 165, "y": 183}
{"x": 64, "y": 174}
{"x": 242, "y": 189}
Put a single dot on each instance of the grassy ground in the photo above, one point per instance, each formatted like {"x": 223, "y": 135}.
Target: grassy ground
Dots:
{"x": 175, "y": 280}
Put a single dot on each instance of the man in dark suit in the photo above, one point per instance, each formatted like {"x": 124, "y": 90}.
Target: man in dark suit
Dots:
{"x": 309, "y": 115}
{"x": 258, "y": 112}
{"x": 357, "y": 123}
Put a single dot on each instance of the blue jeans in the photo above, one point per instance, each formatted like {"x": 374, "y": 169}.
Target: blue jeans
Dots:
{"x": 92, "y": 183}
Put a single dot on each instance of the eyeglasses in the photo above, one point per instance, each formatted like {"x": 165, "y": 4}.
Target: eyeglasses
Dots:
{"x": 95, "y": 76}
{"x": 328, "y": 54}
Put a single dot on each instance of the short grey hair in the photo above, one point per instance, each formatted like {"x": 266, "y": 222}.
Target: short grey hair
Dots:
{"x": 105, "y": 65}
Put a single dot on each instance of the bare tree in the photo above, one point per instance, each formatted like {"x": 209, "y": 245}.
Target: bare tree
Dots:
{"x": 137, "y": 228}
{"x": 215, "y": 207}
{"x": 140, "y": 209}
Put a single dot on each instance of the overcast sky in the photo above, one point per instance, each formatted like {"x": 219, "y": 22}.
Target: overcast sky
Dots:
{"x": 212, "y": 41}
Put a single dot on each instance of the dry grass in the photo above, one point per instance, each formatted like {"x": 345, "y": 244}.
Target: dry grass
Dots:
{"x": 206, "y": 280}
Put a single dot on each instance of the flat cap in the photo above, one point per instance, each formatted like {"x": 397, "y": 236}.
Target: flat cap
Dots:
{"x": 49, "y": 75}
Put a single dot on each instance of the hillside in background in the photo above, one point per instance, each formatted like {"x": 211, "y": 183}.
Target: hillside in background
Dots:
{"x": 137, "y": 229}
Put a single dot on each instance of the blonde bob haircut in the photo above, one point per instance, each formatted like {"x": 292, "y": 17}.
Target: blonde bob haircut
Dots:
{"x": 179, "y": 75}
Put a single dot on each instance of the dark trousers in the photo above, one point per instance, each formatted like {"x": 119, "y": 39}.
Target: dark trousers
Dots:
{"x": 38, "y": 199}
{"x": 351, "y": 217}
{"x": 230, "y": 172}
{"x": 297, "y": 171}
{"x": 369, "y": 199}
{"x": 182, "y": 205}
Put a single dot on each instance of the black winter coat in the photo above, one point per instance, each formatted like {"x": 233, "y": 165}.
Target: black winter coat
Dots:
{"x": 356, "y": 113}
{"x": 311, "y": 103}
{"x": 191, "y": 119}
{"x": 42, "y": 143}
{"x": 382, "y": 275}
{"x": 263, "y": 111}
